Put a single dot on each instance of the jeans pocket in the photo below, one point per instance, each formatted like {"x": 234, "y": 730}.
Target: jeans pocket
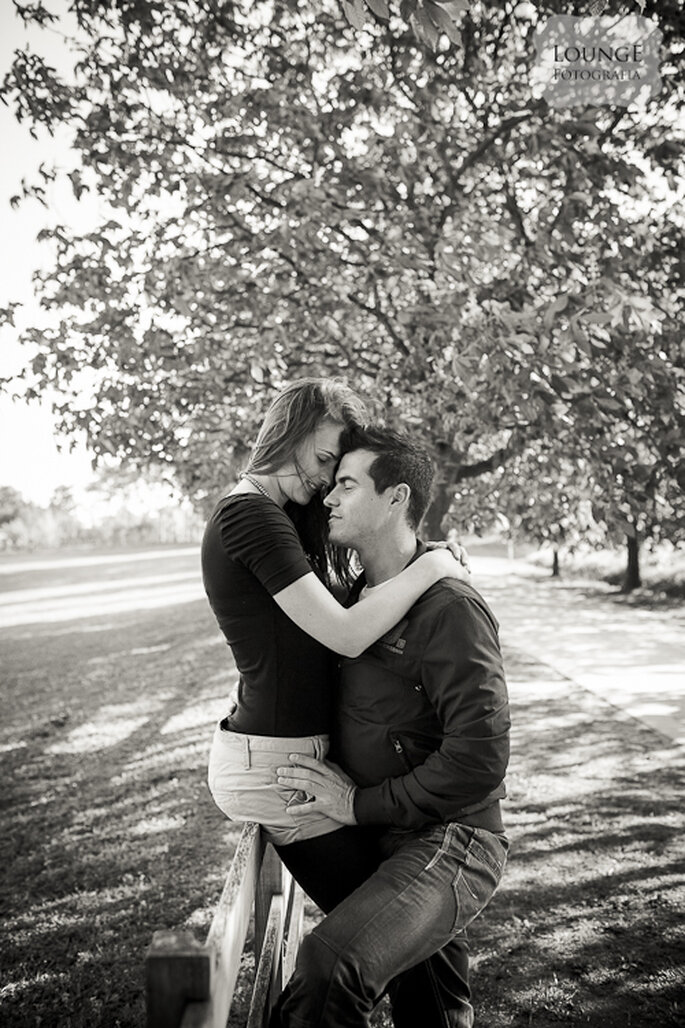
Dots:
{"x": 445, "y": 845}
{"x": 490, "y": 849}
{"x": 476, "y": 880}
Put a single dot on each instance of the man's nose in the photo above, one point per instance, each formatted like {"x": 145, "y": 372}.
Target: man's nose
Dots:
{"x": 331, "y": 499}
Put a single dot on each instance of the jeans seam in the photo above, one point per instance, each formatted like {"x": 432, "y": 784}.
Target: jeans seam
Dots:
{"x": 436, "y": 994}
{"x": 331, "y": 981}
{"x": 362, "y": 927}
{"x": 457, "y": 906}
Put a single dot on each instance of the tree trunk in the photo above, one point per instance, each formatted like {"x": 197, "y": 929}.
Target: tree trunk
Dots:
{"x": 555, "y": 563}
{"x": 431, "y": 525}
{"x": 632, "y": 578}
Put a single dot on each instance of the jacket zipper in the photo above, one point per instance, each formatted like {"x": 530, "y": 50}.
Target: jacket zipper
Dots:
{"x": 399, "y": 750}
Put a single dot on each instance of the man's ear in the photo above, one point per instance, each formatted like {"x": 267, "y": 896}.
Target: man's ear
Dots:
{"x": 401, "y": 494}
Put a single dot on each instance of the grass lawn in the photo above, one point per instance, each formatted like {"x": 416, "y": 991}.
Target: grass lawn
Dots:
{"x": 108, "y": 833}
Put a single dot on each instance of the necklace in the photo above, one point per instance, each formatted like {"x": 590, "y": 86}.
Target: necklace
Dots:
{"x": 258, "y": 485}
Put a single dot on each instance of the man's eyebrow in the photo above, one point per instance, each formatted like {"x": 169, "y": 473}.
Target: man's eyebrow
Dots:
{"x": 345, "y": 478}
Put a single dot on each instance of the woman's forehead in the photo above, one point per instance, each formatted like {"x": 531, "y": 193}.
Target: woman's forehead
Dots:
{"x": 326, "y": 436}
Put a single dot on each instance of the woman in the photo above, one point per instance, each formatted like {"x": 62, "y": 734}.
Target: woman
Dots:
{"x": 265, "y": 560}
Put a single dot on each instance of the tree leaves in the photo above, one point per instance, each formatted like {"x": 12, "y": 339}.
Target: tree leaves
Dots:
{"x": 379, "y": 7}
{"x": 292, "y": 198}
{"x": 355, "y": 13}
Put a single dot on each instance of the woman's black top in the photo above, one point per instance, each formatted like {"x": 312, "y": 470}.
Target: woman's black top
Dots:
{"x": 250, "y": 551}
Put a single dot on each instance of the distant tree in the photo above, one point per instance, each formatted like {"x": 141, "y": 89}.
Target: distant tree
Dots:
{"x": 291, "y": 194}
{"x": 11, "y": 504}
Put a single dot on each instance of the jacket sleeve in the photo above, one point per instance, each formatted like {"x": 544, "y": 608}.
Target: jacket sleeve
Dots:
{"x": 463, "y": 677}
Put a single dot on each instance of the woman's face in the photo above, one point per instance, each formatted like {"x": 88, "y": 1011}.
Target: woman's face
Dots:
{"x": 313, "y": 465}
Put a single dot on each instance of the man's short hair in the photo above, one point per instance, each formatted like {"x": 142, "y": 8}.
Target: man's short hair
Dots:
{"x": 398, "y": 459}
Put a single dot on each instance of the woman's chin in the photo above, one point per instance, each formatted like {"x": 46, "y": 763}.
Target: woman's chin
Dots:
{"x": 302, "y": 497}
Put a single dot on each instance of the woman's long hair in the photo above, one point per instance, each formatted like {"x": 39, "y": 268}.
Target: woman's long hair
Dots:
{"x": 294, "y": 415}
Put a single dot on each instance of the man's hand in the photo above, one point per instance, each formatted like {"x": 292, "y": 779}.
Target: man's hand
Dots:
{"x": 332, "y": 789}
{"x": 458, "y": 552}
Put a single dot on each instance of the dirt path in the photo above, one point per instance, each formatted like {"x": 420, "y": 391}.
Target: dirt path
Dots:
{"x": 632, "y": 657}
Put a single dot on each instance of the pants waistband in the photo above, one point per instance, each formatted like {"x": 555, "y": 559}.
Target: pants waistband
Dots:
{"x": 265, "y": 749}
{"x": 273, "y": 743}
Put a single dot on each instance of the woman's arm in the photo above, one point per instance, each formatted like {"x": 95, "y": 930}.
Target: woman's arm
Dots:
{"x": 349, "y": 631}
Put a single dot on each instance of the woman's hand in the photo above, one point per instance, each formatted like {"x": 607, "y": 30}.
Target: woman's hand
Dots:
{"x": 456, "y": 549}
{"x": 445, "y": 564}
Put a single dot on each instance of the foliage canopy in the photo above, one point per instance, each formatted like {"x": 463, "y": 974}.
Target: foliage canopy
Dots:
{"x": 289, "y": 194}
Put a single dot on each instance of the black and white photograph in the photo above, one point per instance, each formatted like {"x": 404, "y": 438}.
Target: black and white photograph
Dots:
{"x": 342, "y": 513}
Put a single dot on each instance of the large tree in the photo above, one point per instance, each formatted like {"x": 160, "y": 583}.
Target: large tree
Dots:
{"x": 291, "y": 194}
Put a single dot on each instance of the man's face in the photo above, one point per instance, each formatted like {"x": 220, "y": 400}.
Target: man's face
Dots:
{"x": 357, "y": 512}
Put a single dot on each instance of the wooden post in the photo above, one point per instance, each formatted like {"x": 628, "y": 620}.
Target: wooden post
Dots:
{"x": 177, "y": 970}
{"x": 226, "y": 936}
{"x": 268, "y": 975}
{"x": 191, "y": 985}
{"x": 292, "y": 930}
{"x": 269, "y": 884}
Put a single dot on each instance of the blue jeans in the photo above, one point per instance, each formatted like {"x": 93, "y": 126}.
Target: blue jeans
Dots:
{"x": 423, "y": 896}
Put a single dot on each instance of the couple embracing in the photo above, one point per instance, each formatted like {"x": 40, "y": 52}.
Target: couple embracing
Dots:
{"x": 369, "y": 738}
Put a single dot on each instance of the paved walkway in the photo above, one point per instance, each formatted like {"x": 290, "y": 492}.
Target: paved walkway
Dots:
{"x": 631, "y": 657}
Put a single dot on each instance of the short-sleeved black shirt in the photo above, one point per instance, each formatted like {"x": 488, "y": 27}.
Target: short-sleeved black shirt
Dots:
{"x": 250, "y": 551}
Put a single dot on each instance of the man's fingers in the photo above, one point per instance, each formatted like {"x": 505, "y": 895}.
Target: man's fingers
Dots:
{"x": 340, "y": 775}
{"x": 295, "y": 779}
{"x": 303, "y": 760}
{"x": 304, "y": 810}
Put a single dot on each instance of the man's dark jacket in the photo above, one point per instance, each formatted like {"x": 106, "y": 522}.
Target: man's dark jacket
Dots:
{"x": 422, "y": 724}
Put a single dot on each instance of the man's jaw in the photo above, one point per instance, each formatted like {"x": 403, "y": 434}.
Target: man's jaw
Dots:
{"x": 334, "y": 524}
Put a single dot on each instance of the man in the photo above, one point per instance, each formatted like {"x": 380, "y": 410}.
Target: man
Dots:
{"x": 423, "y": 740}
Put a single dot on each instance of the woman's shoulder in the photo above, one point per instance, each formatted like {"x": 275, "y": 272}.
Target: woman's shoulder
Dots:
{"x": 255, "y": 532}
{"x": 250, "y": 517}
{"x": 249, "y": 506}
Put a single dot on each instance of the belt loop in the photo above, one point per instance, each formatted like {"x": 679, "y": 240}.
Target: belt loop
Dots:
{"x": 246, "y": 754}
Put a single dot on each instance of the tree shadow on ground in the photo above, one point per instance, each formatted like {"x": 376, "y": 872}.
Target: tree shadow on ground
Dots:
{"x": 587, "y": 928}
{"x": 109, "y": 832}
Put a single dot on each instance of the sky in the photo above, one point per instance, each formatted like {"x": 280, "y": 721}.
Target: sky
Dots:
{"x": 33, "y": 458}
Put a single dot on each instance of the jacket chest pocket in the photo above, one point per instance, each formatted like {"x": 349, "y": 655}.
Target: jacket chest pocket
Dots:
{"x": 381, "y": 687}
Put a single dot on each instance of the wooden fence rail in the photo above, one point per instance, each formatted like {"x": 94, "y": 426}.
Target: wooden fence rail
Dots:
{"x": 191, "y": 984}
